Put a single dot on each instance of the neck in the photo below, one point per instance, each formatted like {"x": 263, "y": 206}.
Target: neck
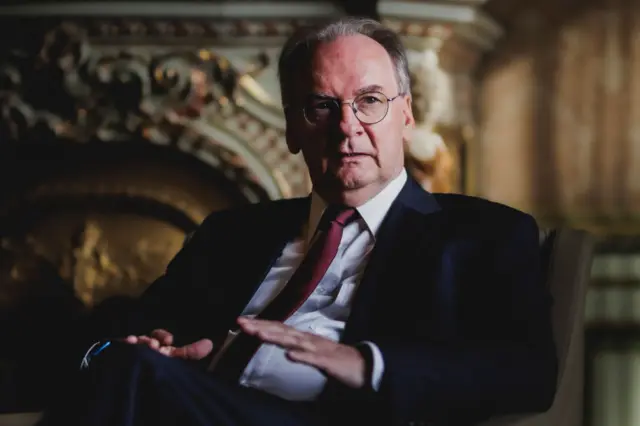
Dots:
{"x": 353, "y": 197}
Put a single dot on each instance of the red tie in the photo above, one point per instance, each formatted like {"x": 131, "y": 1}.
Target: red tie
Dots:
{"x": 303, "y": 282}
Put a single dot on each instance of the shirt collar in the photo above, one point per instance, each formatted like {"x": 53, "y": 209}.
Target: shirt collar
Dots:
{"x": 372, "y": 212}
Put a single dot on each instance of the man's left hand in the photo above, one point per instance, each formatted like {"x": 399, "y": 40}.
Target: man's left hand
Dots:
{"x": 343, "y": 362}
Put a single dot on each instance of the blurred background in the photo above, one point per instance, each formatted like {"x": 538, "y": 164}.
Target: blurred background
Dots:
{"x": 124, "y": 123}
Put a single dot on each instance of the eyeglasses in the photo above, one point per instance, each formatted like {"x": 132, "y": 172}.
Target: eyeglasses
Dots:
{"x": 369, "y": 108}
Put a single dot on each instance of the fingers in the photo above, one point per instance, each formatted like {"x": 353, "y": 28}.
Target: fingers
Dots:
{"x": 157, "y": 338}
{"x": 166, "y": 350}
{"x": 146, "y": 340}
{"x": 340, "y": 361}
{"x": 162, "y": 341}
{"x": 194, "y": 351}
{"x": 280, "y": 334}
{"x": 143, "y": 340}
{"x": 254, "y": 326}
{"x": 149, "y": 341}
{"x": 314, "y": 359}
{"x": 163, "y": 336}
{"x": 131, "y": 339}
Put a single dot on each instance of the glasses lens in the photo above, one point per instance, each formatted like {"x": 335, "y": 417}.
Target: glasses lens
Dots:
{"x": 371, "y": 107}
{"x": 320, "y": 111}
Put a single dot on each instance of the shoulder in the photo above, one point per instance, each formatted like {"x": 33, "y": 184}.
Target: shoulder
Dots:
{"x": 230, "y": 230}
{"x": 467, "y": 204}
{"x": 263, "y": 209}
{"x": 482, "y": 214}
{"x": 255, "y": 215}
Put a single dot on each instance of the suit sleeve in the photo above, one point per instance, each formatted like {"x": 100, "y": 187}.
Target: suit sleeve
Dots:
{"x": 515, "y": 373}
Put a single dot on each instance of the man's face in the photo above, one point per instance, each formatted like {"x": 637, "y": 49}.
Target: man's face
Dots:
{"x": 349, "y": 160}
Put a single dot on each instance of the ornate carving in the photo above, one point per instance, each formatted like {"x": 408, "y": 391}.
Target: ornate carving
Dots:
{"x": 108, "y": 239}
{"x": 418, "y": 28}
{"x": 193, "y": 28}
{"x": 74, "y": 89}
{"x": 91, "y": 268}
{"x": 96, "y": 275}
{"x": 269, "y": 143}
{"x": 112, "y": 95}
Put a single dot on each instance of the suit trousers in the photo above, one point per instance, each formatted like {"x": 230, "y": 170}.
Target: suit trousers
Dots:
{"x": 133, "y": 385}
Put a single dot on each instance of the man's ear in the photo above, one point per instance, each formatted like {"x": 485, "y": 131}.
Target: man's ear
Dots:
{"x": 292, "y": 143}
{"x": 293, "y": 146}
{"x": 292, "y": 140}
{"x": 409, "y": 120}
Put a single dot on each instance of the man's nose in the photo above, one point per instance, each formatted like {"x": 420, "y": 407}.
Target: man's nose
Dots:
{"x": 349, "y": 123}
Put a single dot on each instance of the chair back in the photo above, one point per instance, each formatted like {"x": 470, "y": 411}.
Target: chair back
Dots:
{"x": 567, "y": 255}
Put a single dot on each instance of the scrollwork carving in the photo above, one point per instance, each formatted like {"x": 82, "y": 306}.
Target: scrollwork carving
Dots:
{"x": 70, "y": 89}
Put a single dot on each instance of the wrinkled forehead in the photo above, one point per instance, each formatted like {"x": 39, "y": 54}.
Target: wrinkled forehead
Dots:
{"x": 344, "y": 67}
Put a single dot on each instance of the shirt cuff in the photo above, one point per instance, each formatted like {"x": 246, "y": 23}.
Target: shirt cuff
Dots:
{"x": 378, "y": 365}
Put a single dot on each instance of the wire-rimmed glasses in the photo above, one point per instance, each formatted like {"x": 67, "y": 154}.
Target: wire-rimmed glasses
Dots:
{"x": 369, "y": 108}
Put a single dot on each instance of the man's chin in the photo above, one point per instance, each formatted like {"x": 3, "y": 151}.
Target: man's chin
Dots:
{"x": 350, "y": 181}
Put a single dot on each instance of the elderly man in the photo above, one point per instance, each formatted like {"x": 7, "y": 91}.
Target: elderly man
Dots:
{"x": 370, "y": 301}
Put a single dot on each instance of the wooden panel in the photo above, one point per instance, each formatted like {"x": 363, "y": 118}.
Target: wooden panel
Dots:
{"x": 581, "y": 152}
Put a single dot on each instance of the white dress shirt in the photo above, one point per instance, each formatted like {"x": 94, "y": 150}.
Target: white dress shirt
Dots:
{"x": 326, "y": 310}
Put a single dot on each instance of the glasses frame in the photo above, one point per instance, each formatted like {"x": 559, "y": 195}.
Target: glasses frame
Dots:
{"x": 354, "y": 109}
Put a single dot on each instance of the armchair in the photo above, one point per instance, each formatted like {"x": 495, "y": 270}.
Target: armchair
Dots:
{"x": 567, "y": 258}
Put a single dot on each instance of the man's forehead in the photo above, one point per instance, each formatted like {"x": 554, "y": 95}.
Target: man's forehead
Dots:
{"x": 361, "y": 90}
{"x": 349, "y": 49}
{"x": 346, "y": 67}
{"x": 352, "y": 81}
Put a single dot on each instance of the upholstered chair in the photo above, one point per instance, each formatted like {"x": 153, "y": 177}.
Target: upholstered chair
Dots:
{"x": 567, "y": 258}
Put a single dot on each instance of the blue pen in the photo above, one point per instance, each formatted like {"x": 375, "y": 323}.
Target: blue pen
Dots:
{"x": 101, "y": 348}
{"x": 91, "y": 353}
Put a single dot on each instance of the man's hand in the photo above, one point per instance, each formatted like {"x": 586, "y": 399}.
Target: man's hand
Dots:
{"x": 162, "y": 341}
{"x": 340, "y": 361}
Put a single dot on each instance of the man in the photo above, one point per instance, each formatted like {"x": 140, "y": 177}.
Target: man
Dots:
{"x": 371, "y": 301}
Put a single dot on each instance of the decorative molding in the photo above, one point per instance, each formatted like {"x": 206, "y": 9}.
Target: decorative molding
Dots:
{"x": 194, "y": 23}
{"x": 74, "y": 89}
{"x": 417, "y": 18}
{"x": 242, "y": 122}
{"x": 193, "y": 31}
{"x": 177, "y": 9}
{"x": 476, "y": 3}
{"x": 255, "y": 23}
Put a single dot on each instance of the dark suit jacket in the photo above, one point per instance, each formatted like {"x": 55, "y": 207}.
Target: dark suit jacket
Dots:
{"x": 452, "y": 296}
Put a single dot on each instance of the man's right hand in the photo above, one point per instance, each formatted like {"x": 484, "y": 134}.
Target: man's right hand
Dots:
{"x": 162, "y": 341}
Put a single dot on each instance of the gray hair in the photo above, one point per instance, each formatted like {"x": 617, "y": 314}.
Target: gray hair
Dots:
{"x": 298, "y": 49}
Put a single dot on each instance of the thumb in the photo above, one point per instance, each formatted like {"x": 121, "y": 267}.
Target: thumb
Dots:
{"x": 195, "y": 351}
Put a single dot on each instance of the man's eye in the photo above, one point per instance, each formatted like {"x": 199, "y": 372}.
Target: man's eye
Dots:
{"x": 370, "y": 100}
{"x": 322, "y": 105}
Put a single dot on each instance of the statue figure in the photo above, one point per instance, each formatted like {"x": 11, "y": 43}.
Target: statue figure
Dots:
{"x": 428, "y": 157}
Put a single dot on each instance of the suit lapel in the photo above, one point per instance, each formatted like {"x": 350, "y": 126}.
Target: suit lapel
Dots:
{"x": 276, "y": 228}
{"x": 412, "y": 214}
